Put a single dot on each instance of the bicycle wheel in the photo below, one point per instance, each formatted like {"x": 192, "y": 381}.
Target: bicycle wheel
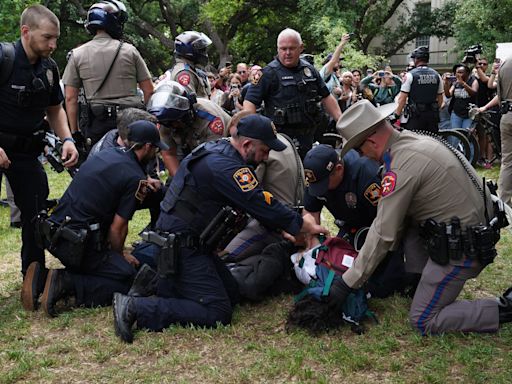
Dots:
{"x": 474, "y": 145}
{"x": 458, "y": 140}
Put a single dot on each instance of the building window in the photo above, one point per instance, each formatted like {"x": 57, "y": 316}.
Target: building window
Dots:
{"x": 422, "y": 41}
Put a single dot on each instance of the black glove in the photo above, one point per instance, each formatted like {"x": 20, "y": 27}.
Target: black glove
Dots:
{"x": 338, "y": 294}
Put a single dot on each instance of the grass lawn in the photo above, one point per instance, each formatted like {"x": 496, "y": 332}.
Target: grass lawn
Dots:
{"x": 80, "y": 346}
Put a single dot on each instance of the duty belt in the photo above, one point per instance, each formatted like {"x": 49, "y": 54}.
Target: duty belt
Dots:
{"x": 506, "y": 106}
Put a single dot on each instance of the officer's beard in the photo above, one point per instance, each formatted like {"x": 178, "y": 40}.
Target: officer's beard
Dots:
{"x": 250, "y": 159}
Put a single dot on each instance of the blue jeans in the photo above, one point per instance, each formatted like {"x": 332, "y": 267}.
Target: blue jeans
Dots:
{"x": 460, "y": 122}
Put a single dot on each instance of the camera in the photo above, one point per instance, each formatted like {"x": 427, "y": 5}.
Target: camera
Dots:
{"x": 235, "y": 86}
{"x": 471, "y": 53}
{"x": 381, "y": 74}
{"x": 452, "y": 79}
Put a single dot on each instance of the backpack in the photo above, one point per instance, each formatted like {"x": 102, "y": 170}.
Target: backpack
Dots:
{"x": 6, "y": 61}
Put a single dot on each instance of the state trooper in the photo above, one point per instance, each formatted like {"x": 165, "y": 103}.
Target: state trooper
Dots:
{"x": 190, "y": 51}
{"x": 109, "y": 79}
{"x": 88, "y": 228}
{"x": 30, "y": 93}
{"x": 435, "y": 200}
{"x": 291, "y": 89}
{"x": 199, "y": 289}
{"x": 422, "y": 92}
{"x": 185, "y": 121}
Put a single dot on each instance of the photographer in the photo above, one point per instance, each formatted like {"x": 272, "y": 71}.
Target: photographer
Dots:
{"x": 231, "y": 103}
{"x": 463, "y": 90}
{"x": 386, "y": 91}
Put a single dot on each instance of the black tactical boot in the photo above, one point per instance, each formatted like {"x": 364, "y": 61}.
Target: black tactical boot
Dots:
{"x": 124, "y": 316}
{"x": 145, "y": 282}
{"x": 505, "y": 306}
{"x": 33, "y": 285}
{"x": 58, "y": 287}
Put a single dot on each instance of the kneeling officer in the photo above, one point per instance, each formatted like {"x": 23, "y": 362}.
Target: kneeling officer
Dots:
{"x": 215, "y": 175}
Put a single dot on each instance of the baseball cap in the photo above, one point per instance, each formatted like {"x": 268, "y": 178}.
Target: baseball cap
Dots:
{"x": 143, "y": 131}
{"x": 318, "y": 164}
{"x": 261, "y": 128}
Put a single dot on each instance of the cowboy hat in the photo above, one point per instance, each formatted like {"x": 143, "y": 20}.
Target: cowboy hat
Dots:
{"x": 359, "y": 121}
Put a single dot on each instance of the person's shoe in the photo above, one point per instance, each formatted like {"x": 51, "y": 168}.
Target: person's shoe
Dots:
{"x": 487, "y": 165}
{"x": 145, "y": 282}
{"x": 125, "y": 315}
{"x": 33, "y": 285}
{"x": 505, "y": 306}
{"x": 58, "y": 287}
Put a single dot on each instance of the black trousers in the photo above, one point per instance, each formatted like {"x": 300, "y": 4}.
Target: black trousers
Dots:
{"x": 30, "y": 188}
{"x": 424, "y": 121}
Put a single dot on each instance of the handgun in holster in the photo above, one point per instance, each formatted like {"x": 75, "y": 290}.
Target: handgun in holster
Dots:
{"x": 436, "y": 242}
{"x": 168, "y": 258}
{"x": 225, "y": 225}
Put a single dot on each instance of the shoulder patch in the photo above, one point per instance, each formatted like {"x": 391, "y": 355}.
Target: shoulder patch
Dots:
{"x": 183, "y": 79}
{"x": 245, "y": 179}
{"x": 373, "y": 193}
{"x": 217, "y": 126}
{"x": 256, "y": 77}
{"x": 142, "y": 190}
{"x": 268, "y": 197}
{"x": 388, "y": 183}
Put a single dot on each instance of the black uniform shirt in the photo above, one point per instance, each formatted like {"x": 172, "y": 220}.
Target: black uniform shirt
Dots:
{"x": 106, "y": 185}
{"x": 38, "y": 94}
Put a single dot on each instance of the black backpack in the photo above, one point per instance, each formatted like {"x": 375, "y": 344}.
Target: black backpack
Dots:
{"x": 6, "y": 61}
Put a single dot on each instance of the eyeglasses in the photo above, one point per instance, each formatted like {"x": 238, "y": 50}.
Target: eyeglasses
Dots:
{"x": 241, "y": 72}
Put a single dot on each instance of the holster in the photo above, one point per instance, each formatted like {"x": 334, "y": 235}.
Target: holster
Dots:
{"x": 505, "y": 107}
{"x": 168, "y": 258}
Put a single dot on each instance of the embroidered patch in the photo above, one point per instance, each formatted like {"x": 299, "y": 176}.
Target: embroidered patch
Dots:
{"x": 268, "y": 197}
{"x": 351, "y": 199}
{"x": 256, "y": 77}
{"x": 142, "y": 191}
{"x": 388, "y": 183}
{"x": 310, "y": 176}
{"x": 217, "y": 126}
{"x": 373, "y": 193}
{"x": 245, "y": 179}
{"x": 184, "y": 79}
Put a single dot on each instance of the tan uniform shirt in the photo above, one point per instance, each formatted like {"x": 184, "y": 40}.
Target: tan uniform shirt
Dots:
{"x": 429, "y": 182}
{"x": 283, "y": 174}
{"x": 194, "y": 79}
{"x": 210, "y": 123}
{"x": 88, "y": 65}
{"x": 505, "y": 81}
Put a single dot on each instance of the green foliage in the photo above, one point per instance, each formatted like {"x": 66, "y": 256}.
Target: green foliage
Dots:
{"x": 10, "y": 12}
{"x": 482, "y": 21}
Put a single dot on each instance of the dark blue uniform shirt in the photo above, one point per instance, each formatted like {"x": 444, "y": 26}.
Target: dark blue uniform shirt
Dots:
{"x": 217, "y": 178}
{"x": 39, "y": 85}
{"x": 105, "y": 185}
{"x": 355, "y": 200}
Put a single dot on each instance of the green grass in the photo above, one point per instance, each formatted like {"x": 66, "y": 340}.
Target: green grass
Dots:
{"x": 80, "y": 346}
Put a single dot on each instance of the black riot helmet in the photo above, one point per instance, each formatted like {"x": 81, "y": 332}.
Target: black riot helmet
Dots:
{"x": 192, "y": 45}
{"x": 108, "y": 15}
{"x": 171, "y": 102}
{"x": 421, "y": 53}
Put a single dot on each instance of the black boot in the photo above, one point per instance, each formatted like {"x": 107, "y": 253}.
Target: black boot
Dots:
{"x": 505, "y": 306}
{"x": 58, "y": 287}
{"x": 125, "y": 315}
{"x": 33, "y": 285}
{"x": 145, "y": 282}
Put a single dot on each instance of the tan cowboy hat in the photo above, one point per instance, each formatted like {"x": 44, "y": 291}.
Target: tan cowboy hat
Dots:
{"x": 358, "y": 122}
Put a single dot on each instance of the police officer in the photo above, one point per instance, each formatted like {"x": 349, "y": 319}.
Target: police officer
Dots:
{"x": 186, "y": 121}
{"x": 422, "y": 91}
{"x": 291, "y": 89}
{"x": 216, "y": 174}
{"x": 432, "y": 190}
{"x": 110, "y": 80}
{"x": 191, "y": 58}
{"x": 30, "y": 91}
{"x": 88, "y": 228}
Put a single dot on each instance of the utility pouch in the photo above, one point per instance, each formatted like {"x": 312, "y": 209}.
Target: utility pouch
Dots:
{"x": 505, "y": 107}
{"x": 483, "y": 238}
{"x": 293, "y": 114}
{"x": 436, "y": 242}
{"x": 223, "y": 228}
{"x": 455, "y": 244}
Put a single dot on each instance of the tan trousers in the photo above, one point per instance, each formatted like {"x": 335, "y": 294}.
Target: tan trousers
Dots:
{"x": 505, "y": 179}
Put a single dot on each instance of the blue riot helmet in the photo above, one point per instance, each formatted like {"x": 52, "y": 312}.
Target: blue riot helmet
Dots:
{"x": 108, "y": 15}
{"x": 192, "y": 45}
{"x": 421, "y": 53}
{"x": 171, "y": 102}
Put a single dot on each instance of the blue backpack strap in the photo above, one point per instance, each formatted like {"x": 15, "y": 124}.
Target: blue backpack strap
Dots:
{"x": 7, "y": 61}
{"x": 205, "y": 115}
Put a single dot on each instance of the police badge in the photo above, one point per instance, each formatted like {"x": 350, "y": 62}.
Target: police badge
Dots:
{"x": 351, "y": 199}
{"x": 49, "y": 76}
{"x": 307, "y": 72}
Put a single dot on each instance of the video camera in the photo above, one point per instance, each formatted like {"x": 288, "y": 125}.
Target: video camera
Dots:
{"x": 470, "y": 54}
{"x": 54, "y": 153}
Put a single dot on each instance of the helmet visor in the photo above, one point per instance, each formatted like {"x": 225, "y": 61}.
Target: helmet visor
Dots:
{"x": 201, "y": 43}
{"x": 167, "y": 100}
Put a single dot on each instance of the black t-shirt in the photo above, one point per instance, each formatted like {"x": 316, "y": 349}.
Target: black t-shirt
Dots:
{"x": 106, "y": 185}
{"x": 27, "y": 93}
{"x": 461, "y": 99}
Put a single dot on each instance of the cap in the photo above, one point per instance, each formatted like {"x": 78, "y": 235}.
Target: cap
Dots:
{"x": 261, "y": 128}
{"x": 143, "y": 131}
{"x": 318, "y": 164}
